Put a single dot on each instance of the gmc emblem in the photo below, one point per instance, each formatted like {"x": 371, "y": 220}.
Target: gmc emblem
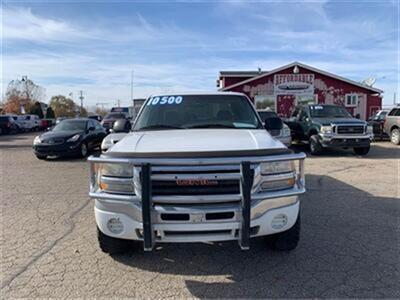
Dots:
{"x": 196, "y": 182}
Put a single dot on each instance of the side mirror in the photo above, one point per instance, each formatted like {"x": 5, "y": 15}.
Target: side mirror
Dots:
{"x": 273, "y": 124}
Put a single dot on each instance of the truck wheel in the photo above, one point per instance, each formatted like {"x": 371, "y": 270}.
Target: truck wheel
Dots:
{"x": 287, "y": 240}
{"x": 315, "y": 145}
{"x": 395, "y": 136}
{"x": 112, "y": 245}
{"x": 361, "y": 151}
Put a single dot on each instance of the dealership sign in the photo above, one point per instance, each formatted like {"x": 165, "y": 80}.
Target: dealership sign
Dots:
{"x": 287, "y": 84}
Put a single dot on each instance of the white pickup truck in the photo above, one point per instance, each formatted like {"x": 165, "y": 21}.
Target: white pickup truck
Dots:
{"x": 197, "y": 168}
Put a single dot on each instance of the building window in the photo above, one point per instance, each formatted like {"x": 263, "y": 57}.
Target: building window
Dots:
{"x": 352, "y": 100}
{"x": 265, "y": 102}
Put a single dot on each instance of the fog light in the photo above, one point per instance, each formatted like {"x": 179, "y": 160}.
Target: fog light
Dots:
{"x": 115, "y": 225}
{"x": 279, "y": 221}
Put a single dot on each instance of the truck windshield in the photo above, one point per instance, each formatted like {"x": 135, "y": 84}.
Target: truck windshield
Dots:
{"x": 328, "y": 111}
{"x": 197, "y": 111}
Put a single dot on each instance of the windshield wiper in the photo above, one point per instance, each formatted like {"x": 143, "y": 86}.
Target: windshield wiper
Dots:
{"x": 160, "y": 126}
{"x": 212, "y": 126}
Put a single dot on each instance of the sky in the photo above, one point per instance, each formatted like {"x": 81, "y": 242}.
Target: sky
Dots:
{"x": 173, "y": 46}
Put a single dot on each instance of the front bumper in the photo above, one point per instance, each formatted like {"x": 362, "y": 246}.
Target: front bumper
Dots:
{"x": 65, "y": 149}
{"x": 197, "y": 228}
{"x": 344, "y": 141}
{"x": 154, "y": 218}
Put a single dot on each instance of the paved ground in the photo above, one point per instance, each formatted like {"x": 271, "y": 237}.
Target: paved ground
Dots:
{"x": 349, "y": 246}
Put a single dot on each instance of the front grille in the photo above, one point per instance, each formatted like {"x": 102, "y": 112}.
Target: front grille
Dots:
{"x": 195, "y": 181}
{"x": 163, "y": 188}
{"x": 53, "y": 141}
{"x": 350, "y": 129}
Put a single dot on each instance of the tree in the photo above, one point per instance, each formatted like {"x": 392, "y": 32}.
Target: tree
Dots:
{"x": 63, "y": 106}
{"x": 83, "y": 112}
{"x": 26, "y": 89}
{"x": 101, "y": 112}
{"x": 12, "y": 105}
{"x": 36, "y": 109}
{"x": 21, "y": 95}
{"x": 50, "y": 113}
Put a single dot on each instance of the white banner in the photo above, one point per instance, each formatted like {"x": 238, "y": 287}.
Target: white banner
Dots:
{"x": 293, "y": 84}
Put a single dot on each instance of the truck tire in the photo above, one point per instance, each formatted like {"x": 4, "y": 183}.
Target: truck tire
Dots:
{"x": 315, "y": 145}
{"x": 287, "y": 240}
{"x": 395, "y": 136}
{"x": 112, "y": 245}
{"x": 361, "y": 151}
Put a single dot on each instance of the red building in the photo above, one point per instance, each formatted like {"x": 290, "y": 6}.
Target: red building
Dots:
{"x": 294, "y": 84}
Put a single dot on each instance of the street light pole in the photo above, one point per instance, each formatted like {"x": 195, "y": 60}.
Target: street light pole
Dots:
{"x": 81, "y": 97}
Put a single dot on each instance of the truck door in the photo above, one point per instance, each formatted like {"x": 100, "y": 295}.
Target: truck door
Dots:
{"x": 304, "y": 122}
{"x": 293, "y": 123}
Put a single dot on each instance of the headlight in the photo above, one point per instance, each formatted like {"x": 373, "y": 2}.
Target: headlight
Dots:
{"x": 370, "y": 129}
{"x": 37, "y": 140}
{"x": 74, "y": 138}
{"x": 326, "y": 129}
{"x": 116, "y": 170}
{"x": 116, "y": 178}
{"x": 269, "y": 168}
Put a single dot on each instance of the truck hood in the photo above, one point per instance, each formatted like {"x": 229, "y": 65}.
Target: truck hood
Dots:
{"x": 189, "y": 142}
{"x": 329, "y": 121}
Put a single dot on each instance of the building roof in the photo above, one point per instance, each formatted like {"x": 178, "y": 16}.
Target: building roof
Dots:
{"x": 241, "y": 73}
{"x": 359, "y": 84}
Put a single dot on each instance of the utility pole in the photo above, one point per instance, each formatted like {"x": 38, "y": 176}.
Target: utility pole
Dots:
{"x": 81, "y": 97}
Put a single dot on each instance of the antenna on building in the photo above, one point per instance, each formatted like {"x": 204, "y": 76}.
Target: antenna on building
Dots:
{"x": 369, "y": 81}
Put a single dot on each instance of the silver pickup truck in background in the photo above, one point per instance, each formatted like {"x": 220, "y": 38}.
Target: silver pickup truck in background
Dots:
{"x": 197, "y": 168}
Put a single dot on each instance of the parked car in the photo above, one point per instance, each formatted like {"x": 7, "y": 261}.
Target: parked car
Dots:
{"x": 391, "y": 125}
{"x": 118, "y": 132}
{"x": 46, "y": 123}
{"x": 329, "y": 126}
{"x": 30, "y": 122}
{"x": 376, "y": 121}
{"x": 71, "y": 137}
{"x": 108, "y": 121}
{"x": 8, "y": 125}
{"x": 19, "y": 124}
{"x": 98, "y": 118}
{"x": 197, "y": 168}
{"x": 282, "y": 134}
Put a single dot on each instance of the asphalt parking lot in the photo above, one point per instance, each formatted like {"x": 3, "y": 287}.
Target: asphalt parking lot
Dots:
{"x": 349, "y": 246}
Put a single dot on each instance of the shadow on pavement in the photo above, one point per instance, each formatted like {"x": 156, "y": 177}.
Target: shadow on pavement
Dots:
{"x": 348, "y": 248}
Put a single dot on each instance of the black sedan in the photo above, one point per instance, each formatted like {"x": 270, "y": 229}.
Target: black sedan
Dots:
{"x": 71, "y": 137}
